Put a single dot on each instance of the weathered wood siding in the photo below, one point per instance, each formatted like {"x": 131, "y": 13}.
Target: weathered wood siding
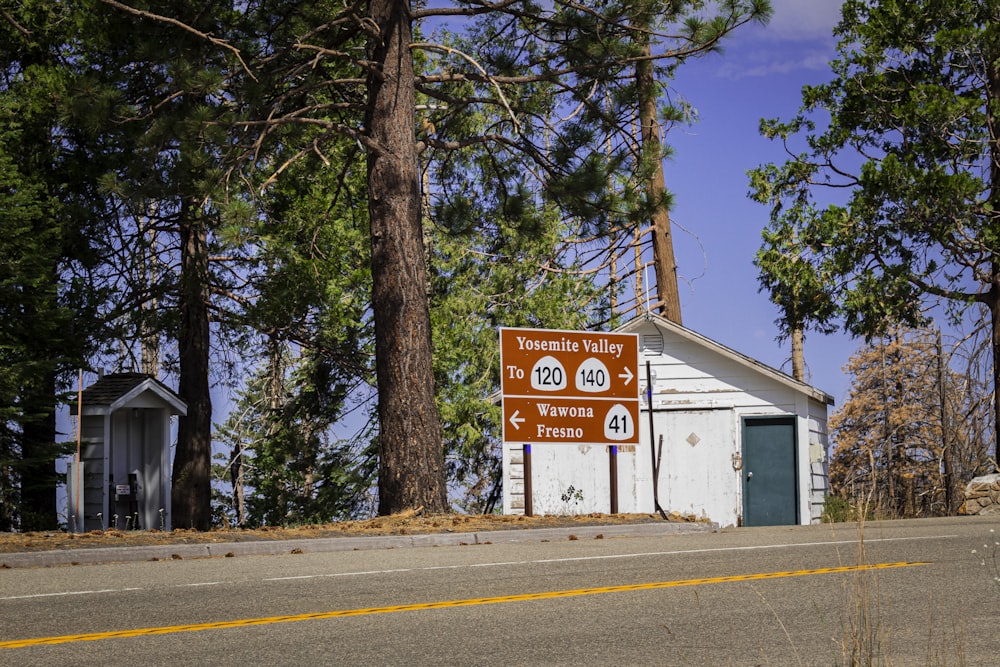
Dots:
{"x": 701, "y": 393}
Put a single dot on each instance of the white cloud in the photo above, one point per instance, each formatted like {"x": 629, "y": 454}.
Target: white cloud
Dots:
{"x": 801, "y": 20}
{"x": 799, "y": 38}
{"x": 767, "y": 63}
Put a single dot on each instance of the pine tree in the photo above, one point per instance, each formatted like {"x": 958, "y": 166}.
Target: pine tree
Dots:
{"x": 51, "y": 217}
{"x": 293, "y": 470}
{"x": 309, "y": 335}
{"x": 350, "y": 74}
{"x": 172, "y": 130}
{"x": 906, "y": 133}
{"x": 891, "y": 452}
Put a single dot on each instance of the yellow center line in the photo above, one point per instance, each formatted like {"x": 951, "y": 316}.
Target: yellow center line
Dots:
{"x": 444, "y": 604}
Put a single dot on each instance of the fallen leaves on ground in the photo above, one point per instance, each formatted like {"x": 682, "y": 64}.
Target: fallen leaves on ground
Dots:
{"x": 406, "y": 523}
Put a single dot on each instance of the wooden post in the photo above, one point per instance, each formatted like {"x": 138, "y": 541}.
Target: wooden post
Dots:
{"x": 613, "y": 456}
{"x": 527, "y": 481}
{"x": 78, "y": 513}
{"x": 652, "y": 448}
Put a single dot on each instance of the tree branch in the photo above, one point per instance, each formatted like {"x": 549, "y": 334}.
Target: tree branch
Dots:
{"x": 17, "y": 26}
{"x": 183, "y": 26}
{"x": 472, "y": 61}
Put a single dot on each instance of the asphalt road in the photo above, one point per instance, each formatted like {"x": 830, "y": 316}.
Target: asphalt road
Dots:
{"x": 900, "y": 593}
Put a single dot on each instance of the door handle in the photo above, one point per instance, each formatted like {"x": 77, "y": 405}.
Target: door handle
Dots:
{"x": 749, "y": 476}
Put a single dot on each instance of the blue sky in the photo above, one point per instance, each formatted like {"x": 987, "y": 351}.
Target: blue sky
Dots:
{"x": 716, "y": 227}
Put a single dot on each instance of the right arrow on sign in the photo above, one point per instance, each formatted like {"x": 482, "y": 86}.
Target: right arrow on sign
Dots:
{"x": 627, "y": 376}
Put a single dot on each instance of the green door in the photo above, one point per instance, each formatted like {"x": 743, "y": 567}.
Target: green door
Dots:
{"x": 770, "y": 483}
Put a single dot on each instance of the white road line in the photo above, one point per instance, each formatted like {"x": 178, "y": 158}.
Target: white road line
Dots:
{"x": 341, "y": 574}
{"x": 571, "y": 559}
{"x": 65, "y": 593}
{"x": 521, "y": 563}
{"x": 202, "y": 583}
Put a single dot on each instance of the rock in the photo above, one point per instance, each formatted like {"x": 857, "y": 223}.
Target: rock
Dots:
{"x": 982, "y": 495}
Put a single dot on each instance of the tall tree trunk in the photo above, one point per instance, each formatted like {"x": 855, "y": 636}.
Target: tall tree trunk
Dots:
{"x": 237, "y": 478}
{"x": 947, "y": 450}
{"x": 798, "y": 354}
{"x": 37, "y": 467}
{"x": 993, "y": 302}
{"x": 664, "y": 263}
{"x": 888, "y": 428}
{"x": 191, "y": 491}
{"x": 411, "y": 458}
{"x": 992, "y": 298}
{"x": 275, "y": 400}
{"x": 149, "y": 335}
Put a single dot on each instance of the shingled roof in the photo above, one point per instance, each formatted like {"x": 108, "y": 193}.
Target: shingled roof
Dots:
{"x": 116, "y": 390}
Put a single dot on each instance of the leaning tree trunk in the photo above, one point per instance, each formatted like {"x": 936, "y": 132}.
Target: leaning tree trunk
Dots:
{"x": 191, "y": 493}
{"x": 411, "y": 459}
{"x": 664, "y": 263}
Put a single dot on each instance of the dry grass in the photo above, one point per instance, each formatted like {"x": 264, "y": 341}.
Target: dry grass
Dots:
{"x": 407, "y": 523}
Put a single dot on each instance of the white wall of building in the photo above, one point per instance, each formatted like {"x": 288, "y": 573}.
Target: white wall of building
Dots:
{"x": 701, "y": 394}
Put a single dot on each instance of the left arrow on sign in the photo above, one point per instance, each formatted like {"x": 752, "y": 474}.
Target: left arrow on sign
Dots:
{"x": 515, "y": 420}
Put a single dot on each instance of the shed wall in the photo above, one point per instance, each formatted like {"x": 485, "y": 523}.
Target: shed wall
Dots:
{"x": 699, "y": 399}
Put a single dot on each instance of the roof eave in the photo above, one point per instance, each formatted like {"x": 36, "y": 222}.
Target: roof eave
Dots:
{"x": 693, "y": 336}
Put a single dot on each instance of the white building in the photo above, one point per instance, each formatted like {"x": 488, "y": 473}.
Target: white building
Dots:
{"x": 735, "y": 442}
{"x": 122, "y": 478}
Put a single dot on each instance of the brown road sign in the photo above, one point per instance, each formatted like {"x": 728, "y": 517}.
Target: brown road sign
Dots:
{"x": 549, "y": 362}
{"x": 570, "y": 420}
{"x": 569, "y": 386}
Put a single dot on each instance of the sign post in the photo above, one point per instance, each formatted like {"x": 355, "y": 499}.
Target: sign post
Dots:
{"x": 569, "y": 387}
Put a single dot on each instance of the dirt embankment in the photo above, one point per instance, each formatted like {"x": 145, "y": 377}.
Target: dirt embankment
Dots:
{"x": 407, "y": 523}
